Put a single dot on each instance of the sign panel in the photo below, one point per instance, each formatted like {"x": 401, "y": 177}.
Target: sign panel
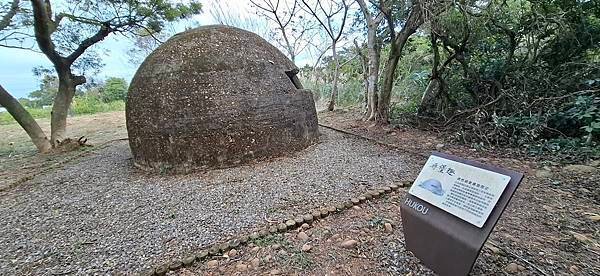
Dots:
{"x": 465, "y": 191}
{"x": 447, "y": 220}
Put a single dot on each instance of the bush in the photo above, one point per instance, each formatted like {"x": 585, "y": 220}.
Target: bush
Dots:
{"x": 92, "y": 105}
{"x": 80, "y": 106}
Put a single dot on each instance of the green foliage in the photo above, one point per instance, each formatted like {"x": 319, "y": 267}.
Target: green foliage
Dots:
{"x": 92, "y": 105}
{"x": 587, "y": 111}
{"x": 115, "y": 89}
{"x": 45, "y": 95}
{"x": 81, "y": 105}
{"x": 37, "y": 113}
{"x": 568, "y": 149}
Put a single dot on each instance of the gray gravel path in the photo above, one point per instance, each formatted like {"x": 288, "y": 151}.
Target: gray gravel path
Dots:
{"x": 102, "y": 216}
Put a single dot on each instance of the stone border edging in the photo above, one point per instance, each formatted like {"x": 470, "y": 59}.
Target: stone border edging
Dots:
{"x": 219, "y": 248}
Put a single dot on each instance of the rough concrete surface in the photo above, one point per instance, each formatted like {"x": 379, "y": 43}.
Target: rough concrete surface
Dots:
{"x": 215, "y": 97}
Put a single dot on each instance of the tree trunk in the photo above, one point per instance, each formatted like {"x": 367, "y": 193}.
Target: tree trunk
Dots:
{"x": 336, "y": 73}
{"x": 428, "y": 101}
{"x": 431, "y": 94}
{"x": 62, "y": 102}
{"x": 24, "y": 119}
{"x": 383, "y": 103}
{"x": 374, "y": 51}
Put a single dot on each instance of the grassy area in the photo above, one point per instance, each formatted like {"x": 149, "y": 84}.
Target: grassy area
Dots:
{"x": 80, "y": 106}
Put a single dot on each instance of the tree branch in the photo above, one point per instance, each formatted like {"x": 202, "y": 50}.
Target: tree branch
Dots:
{"x": 7, "y": 18}
{"x": 41, "y": 24}
{"x": 104, "y": 31}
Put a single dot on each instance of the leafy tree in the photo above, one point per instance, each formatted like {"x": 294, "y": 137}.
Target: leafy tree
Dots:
{"x": 115, "y": 89}
{"x": 68, "y": 35}
{"x": 47, "y": 92}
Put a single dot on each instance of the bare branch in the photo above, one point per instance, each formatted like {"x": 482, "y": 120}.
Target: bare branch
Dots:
{"x": 7, "y": 18}
{"x": 43, "y": 31}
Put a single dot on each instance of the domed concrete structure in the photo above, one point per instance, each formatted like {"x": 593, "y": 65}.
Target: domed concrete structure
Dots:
{"x": 215, "y": 97}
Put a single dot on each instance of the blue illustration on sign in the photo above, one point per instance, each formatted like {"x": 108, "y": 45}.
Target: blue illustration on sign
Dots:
{"x": 433, "y": 186}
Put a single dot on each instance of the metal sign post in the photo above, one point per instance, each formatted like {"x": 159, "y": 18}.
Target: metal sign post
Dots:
{"x": 451, "y": 210}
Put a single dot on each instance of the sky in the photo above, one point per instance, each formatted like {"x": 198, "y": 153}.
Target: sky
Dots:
{"x": 16, "y": 65}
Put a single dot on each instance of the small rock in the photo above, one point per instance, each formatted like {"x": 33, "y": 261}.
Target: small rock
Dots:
{"x": 255, "y": 249}
{"x": 305, "y": 226}
{"x": 512, "y": 268}
{"x": 574, "y": 269}
{"x": 212, "y": 263}
{"x": 349, "y": 244}
{"x": 580, "y": 169}
{"x": 356, "y": 207}
{"x": 275, "y": 272}
{"x": 388, "y": 227}
{"x": 439, "y": 146}
{"x": 303, "y": 236}
{"x": 232, "y": 253}
{"x": 594, "y": 217}
{"x": 275, "y": 246}
{"x": 306, "y": 247}
{"x": 335, "y": 237}
{"x": 255, "y": 262}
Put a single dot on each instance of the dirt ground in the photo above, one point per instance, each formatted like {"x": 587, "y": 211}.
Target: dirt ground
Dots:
{"x": 551, "y": 227}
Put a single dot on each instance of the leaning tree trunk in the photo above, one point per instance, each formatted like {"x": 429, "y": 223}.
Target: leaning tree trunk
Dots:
{"x": 24, "y": 119}
{"x": 383, "y": 103}
{"x": 428, "y": 103}
{"x": 60, "y": 107}
{"x": 336, "y": 75}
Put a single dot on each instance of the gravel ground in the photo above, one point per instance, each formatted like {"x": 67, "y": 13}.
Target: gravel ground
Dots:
{"x": 101, "y": 215}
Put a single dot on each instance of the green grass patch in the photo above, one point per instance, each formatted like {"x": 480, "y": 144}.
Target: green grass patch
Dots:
{"x": 80, "y": 106}
{"x": 36, "y": 113}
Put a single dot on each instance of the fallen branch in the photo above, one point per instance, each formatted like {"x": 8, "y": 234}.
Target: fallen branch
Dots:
{"x": 477, "y": 108}
{"x": 582, "y": 92}
{"x": 520, "y": 258}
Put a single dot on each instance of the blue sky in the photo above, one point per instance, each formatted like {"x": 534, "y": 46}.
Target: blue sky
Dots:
{"x": 16, "y": 74}
{"x": 16, "y": 65}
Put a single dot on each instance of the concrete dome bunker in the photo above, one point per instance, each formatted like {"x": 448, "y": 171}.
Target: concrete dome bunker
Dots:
{"x": 215, "y": 97}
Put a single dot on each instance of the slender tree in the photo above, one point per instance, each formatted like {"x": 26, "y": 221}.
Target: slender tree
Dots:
{"x": 326, "y": 17}
{"x": 410, "y": 15}
{"x": 372, "y": 21}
